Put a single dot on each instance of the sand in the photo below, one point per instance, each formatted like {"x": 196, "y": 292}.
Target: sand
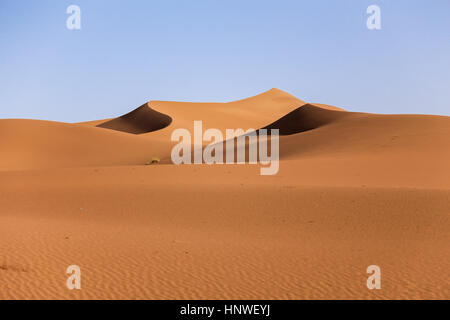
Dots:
{"x": 353, "y": 190}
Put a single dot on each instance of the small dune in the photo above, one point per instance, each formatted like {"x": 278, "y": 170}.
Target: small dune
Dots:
{"x": 306, "y": 117}
{"x": 37, "y": 144}
{"x": 142, "y": 120}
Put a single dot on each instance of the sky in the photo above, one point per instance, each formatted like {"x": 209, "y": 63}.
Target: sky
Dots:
{"x": 129, "y": 52}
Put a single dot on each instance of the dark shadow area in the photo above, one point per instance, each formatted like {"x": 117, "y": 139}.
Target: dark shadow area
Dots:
{"x": 305, "y": 118}
{"x": 141, "y": 120}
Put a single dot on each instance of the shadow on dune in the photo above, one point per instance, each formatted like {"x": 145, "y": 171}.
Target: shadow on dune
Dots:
{"x": 141, "y": 120}
{"x": 305, "y": 118}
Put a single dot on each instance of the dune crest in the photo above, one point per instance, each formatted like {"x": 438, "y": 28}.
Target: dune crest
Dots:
{"x": 157, "y": 115}
{"x": 141, "y": 120}
{"x": 304, "y": 118}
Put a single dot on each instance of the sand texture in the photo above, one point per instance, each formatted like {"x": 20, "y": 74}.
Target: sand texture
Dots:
{"x": 353, "y": 190}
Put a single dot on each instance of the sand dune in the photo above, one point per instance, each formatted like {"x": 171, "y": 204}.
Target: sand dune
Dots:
{"x": 35, "y": 144}
{"x": 353, "y": 189}
{"x": 254, "y": 112}
{"x": 142, "y": 120}
{"x": 305, "y": 118}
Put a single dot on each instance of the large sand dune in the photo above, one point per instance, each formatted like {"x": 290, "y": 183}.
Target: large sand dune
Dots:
{"x": 353, "y": 189}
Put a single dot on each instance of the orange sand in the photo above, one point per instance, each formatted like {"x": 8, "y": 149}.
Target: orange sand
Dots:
{"x": 353, "y": 189}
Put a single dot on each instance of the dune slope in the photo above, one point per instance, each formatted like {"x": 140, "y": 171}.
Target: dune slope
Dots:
{"x": 36, "y": 144}
{"x": 141, "y": 120}
{"x": 253, "y": 112}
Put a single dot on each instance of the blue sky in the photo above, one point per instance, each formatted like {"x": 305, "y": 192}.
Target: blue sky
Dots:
{"x": 129, "y": 52}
